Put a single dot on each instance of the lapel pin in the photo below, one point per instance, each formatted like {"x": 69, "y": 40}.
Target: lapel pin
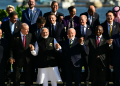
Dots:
{"x": 50, "y": 44}
{"x": 35, "y": 11}
{"x": 17, "y": 37}
{"x": 88, "y": 28}
{"x": 16, "y": 26}
{"x": 101, "y": 39}
{"x": 65, "y": 29}
{"x": 93, "y": 17}
{"x": 115, "y": 26}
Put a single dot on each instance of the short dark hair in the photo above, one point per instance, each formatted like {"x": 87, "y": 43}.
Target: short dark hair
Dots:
{"x": 71, "y": 8}
{"x": 109, "y": 12}
{"x": 54, "y": 2}
{"x": 41, "y": 20}
{"x": 52, "y": 14}
{"x": 12, "y": 14}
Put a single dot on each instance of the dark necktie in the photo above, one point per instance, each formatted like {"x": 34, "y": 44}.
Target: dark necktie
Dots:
{"x": 31, "y": 14}
{"x": 38, "y": 34}
{"x": 52, "y": 31}
{"x": 98, "y": 41}
{"x": 83, "y": 31}
{"x": 24, "y": 41}
{"x": 71, "y": 43}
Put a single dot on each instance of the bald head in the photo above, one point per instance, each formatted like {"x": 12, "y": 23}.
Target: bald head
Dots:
{"x": 71, "y": 33}
{"x": 91, "y": 10}
{"x": 24, "y": 28}
{"x": 83, "y": 20}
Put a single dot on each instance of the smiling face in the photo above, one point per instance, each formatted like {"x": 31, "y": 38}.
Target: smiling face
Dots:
{"x": 40, "y": 26}
{"x": 14, "y": 19}
{"x": 71, "y": 33}
{"x": 91, "y": 10}
{"x": 31, "y": 3}
{"x": 110, "y": 17}
{"x": 83, "y": 20}
{"x": 99, "y": 30}
{"x": 9, "y": 10}
{"x": 54, "y": 7}
{"x": 73, "y": 12}
{"x": 25, "y": 29}
{"x": 52, "y": 19}
{"x": 45, "y": 33}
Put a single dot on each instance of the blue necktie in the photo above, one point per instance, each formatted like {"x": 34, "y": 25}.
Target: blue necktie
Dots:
{"x": 12, "y": 28}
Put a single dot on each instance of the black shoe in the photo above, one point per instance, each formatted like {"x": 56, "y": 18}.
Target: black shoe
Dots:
{"x": 9, "y": 83}
{"x": 87, "y": 84}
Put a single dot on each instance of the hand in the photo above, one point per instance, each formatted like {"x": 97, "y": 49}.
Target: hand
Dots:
{"x": 31, "y": 47}
{"x": 110, "y": 41}
{"x": 61, "y": 19}
{"x": 12, "y": 60}
{"x": 57, "y": 46}
{"x": 0, "y": 22}
{"x": 81, "y": 40}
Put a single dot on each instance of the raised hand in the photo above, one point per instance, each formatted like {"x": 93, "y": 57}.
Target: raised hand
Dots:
{"x": 81, "y": 40}
{"x": 12, "y": 60}
{"x": 110, "y": 41}
{"x": 31, "y": 47}
{"x": 57, "y": 46}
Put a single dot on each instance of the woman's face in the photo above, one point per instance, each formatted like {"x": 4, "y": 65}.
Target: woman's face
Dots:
{"x": 9, "y": 10}
{"x": 73, "y": 12}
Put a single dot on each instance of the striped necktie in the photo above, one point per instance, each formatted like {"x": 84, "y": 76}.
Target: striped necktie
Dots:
{"x": 110, "y": 31}
{"x": 71, "y": 41}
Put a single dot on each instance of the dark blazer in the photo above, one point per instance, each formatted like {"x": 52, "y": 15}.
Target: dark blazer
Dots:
{"x": 67, "y": 18}
{"x": 95, "y": 20}
{"x": 59, "y": 31}
{"x": 21, "y": 54}
{"x": 25, "y": 16}
{"x": 115, "y": 28}
{"x": 101, "y": 51}
{"x": 72, "y": 54}
{"x": 46, "y": 15}
{"x": 7, "y": 30}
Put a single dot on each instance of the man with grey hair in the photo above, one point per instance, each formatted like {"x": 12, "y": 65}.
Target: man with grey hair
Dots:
{"x": 21, "y": 56}
{"x": 72, "y": 61}
{"x": 46, "y": 49}
{"x": 84, "y": 30}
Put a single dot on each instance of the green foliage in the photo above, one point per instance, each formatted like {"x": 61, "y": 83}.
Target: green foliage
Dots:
{"x": 3, "y": 13}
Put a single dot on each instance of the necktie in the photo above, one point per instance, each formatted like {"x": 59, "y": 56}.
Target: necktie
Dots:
{"x": 71, "y": 43}
{"x": 52, "y": 31}
{"x": 12, "y": 28}
{"x": 31, "y": 14}
{"x": 110, "y": 31}
{"x": 38, "y": 34}
{"x": 83, "y": 31}
{"x": 98, "y": 41}
{"x": 24, "y": 41}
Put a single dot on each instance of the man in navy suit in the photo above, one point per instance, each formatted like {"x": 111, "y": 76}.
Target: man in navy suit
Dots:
{"x": 31, "y": 14}
{"x": 84, "y": 30}
{"x": 116, "y": 58}
{"x": 54, "y": 8}
{"x": 71, "y": 51}
{"x": 93, "y": 18}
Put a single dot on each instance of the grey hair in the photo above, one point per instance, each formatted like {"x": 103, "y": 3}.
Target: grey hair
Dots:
{"x": 44, "y": 28}
{"x": 84, "y": 16}
{"x": 71, "y": 29}
{"x": 23, "y": 24}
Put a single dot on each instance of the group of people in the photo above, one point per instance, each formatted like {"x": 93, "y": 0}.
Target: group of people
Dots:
{"x": 58, "y": 46}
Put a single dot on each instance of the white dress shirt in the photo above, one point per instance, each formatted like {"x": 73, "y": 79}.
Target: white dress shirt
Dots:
{"x": 84, "y": 29}
{"x": 29, "y": 11}
{"x": 90, "y": 19}
{"x": 109, "y": 27}
{"x": 35, "y": 52}
{"x": 54, "y": 13}
{"x": 99, "y": 38}
{"x": 12, "y": 26}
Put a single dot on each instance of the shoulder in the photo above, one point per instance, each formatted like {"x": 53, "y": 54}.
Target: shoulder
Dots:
{"x": 96, "y": 14}
{"x": 60, "y": 14}
{"x": 24, "y": 11}
{"x": 105, "y": 22}
{"x": 46, "y": 14}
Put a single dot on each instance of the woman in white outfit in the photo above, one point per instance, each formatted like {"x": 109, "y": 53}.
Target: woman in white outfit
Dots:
{"x": 46, "y": 49}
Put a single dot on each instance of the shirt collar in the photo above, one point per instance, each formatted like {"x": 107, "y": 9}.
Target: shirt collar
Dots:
{"x": 31, "y": 9}
{"x": 54, "y": 13}
{"x": 54, "y": 24}
{"x": 99, "y": 36}
{"x": 72, "y": 39}
{"x": 84, "y": 26}
{"x": 110, "y": 24}
{"x": 10, "y": 22}
{"x": 22, "y": 34}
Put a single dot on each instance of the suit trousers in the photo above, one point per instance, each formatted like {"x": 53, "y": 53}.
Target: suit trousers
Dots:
{"x": 73, "y": 72}
{"x": 17, "y": 73}
{"x": 98, "y": 74}
{"x": 2, "y": 76}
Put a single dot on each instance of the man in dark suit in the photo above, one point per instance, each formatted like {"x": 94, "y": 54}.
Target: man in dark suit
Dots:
{"x": 56, "y": 29}
{"x": 54, "y": 8}
{"x": 72, "y": 60}
{"x": 9, "y": 28}
{"x": 84, "y": 30}
{"x": 31, "y": 14}
{"x": 99, "y": 46}
{"x": 116, "y": 57}
{"x": 4, "y": 56}
{"x": 110, "y": 28}
{"x": 21, "y": 55}
{"x": 93, "y": 18}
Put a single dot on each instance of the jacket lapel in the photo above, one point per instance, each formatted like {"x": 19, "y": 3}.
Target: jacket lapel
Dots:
{"x": 113, "y": 28}
{"x": 20, "y": 40}
{"x": 34, "y": 13}
{"x": 27, "y": 13}
{"x": 101, "y": 41}
{"x": 26, "y": 41}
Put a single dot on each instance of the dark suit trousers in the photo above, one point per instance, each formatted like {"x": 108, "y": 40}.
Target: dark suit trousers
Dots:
{"x": 17, "y": 72}
{"x": 73, "y": 73}
{"x": 117, "y": 74}
{"x": 98, "y": 74}
{"x": 2, "y": 76}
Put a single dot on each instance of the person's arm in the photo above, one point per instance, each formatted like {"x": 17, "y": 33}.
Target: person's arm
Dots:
{"x": 56, "y": 45}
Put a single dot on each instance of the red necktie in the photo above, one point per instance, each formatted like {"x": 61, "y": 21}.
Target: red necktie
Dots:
{"x": 24, "y": 41}
{"x": 98, "y": 41}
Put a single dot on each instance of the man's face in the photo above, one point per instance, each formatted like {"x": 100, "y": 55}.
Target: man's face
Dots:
{"x": 83, "y": 20}
{"x": 31, "y": 3}
{"x": 73, "y": 12}
{"x": 71, "y": 34}
{"x": 110, "y": 17}
{"x": 52, "y": 19}
{"x": 45, "y": 33}
{"x": 99, "y": 31}
{"x": 25, "y": 30}
{"x": 9, "y": 10}
{"x": 55, "y": 7}
{"x": 40, "y": 25}
{"x": 91, "y": 11}
{"x": 14, "y": 19}
{"x": 0, "y": 33}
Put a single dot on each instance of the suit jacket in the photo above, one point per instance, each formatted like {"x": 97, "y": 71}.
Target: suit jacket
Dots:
{"x": 115, "y": 29}
{"x": 66, "y": 21}
{"x": 95, "y": 51}
{"x": 116, "y": 50}
{"x": 46, "y": 15}
{"x": 72, "y": 54}
{"x": 59, "y": 31}
{"x": 26, "y": 18}
{"x": 7, "y": 30}
{"x": 21, "y": 54}
{"x": 95, "y": 21}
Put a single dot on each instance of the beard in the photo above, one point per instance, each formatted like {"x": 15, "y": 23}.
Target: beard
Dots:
{"x": 45, "y": 37}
